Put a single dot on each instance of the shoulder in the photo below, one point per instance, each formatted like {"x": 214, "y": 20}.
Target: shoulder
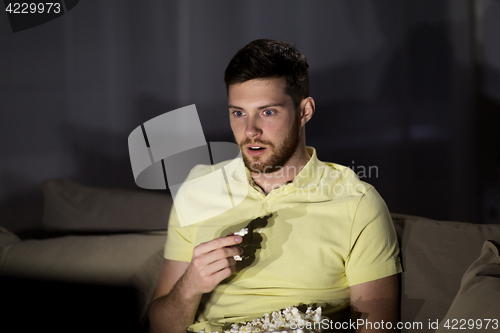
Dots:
{"x": 208, "y": 191}
{"x": 343, "y": 180}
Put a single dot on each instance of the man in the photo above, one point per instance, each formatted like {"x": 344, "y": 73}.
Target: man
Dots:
{"x": 325, "y": 237}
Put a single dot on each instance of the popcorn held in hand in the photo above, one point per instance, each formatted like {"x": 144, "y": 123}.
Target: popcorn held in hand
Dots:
{"x": 241, "y": 233}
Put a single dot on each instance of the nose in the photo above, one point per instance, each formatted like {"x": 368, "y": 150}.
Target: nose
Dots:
{"x": 252, "y": 129}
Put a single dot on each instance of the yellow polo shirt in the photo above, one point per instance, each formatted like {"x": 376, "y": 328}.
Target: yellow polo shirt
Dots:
{"x": 319, "y": 234}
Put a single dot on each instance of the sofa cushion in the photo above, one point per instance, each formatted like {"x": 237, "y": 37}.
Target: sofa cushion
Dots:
{"x": 6, "y": 239}
{"x": 435, "y": 256}
{"x": 121, "y": 259}
{"x": 72, "y": 206}
{"x": 100, "y": 259}
{"x": 477, "y": 300}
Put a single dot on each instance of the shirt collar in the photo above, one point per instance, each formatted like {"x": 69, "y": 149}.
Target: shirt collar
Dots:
{"x": 311, "y": 173}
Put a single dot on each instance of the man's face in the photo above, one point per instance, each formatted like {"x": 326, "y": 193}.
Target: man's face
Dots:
{"x": 265, "y": 123}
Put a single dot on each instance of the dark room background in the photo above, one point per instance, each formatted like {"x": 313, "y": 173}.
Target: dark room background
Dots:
{"x": 409, "y": 90}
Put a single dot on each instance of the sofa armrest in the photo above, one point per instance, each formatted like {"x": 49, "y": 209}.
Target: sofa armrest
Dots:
{"x": 114, "y": 260}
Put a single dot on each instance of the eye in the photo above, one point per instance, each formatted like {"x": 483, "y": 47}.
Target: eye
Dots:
{"x": 268, "y": 112}
{"x": 237, "y": 113}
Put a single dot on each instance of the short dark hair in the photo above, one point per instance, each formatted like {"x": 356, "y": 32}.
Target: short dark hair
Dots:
{"x": 266, "y": 59}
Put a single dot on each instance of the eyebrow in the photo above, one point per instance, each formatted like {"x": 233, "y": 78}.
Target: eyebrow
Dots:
{"x": 260, "y": 107}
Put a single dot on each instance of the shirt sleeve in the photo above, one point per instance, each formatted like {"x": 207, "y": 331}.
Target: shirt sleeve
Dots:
{"x": 179, "y": 245}
{"x": 374, "y": 249}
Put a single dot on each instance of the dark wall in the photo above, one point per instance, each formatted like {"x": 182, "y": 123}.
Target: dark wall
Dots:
{"x": 394, "y": 84}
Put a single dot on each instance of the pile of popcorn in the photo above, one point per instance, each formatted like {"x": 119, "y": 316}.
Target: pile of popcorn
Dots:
{"x": 288, "y": 318}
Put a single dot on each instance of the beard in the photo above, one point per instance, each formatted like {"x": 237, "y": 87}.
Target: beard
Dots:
{"x": 281, "y": 155}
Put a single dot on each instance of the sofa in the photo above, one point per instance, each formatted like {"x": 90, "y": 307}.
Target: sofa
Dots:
{"x": 115, "y": 238}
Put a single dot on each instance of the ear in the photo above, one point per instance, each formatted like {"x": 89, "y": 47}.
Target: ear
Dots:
{"x": 307, "y": 108}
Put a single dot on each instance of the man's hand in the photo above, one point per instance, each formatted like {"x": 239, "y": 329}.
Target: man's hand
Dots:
{"x": 212, "y": 262}
{"x": 181, "y": 284}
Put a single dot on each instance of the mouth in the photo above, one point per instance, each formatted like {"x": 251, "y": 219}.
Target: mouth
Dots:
{"x": 254, "y": 150}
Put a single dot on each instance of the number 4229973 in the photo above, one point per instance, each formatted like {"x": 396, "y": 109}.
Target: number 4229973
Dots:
{"x": 32, "y": 8}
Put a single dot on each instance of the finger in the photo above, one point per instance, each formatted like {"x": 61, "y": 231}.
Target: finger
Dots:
{"x": 217, "y": 244}
{"x": 220, "y": 265}
{"x": 225, "y": 252}
{"x": 223, "y": 274}
{"x": 208, "y": 271}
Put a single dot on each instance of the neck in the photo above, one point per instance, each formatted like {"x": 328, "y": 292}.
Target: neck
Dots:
{"x": 273, "y": 180}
